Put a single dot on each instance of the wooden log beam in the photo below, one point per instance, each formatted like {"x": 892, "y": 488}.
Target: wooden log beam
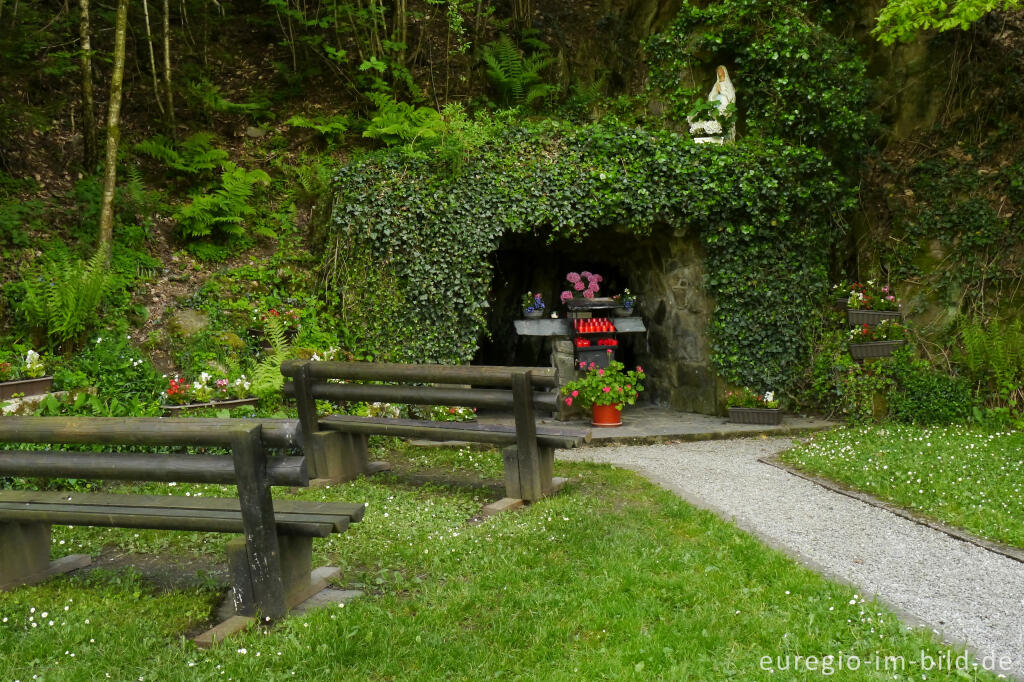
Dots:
{"x": 115, "y": 466}
{"x": 476, "y": 375}
{"x": 204, "y": 520}
{"x": 495, "y": 434}
{"x": 354, "y": 511}
{"x": 149, "y": 431}
{"x": 420, "y": 395}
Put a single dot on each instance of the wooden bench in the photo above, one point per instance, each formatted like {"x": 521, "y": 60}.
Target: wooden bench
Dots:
{"x": 271, "y": 565}
{"x": 338, "y": 443}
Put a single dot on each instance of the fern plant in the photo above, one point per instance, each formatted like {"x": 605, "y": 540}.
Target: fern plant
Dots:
{"x": 62, "y": 296}
{"x": 267, "y": 379}
{"x": 992, "y": 356}
{"x": 401, "y": 123}
{"x": 516, "y": 76}
{"x": 223, "y": 211}
{"x": 194, "y": 155}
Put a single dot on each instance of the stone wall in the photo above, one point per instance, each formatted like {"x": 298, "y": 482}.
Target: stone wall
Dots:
{"x": 667, "y": 271}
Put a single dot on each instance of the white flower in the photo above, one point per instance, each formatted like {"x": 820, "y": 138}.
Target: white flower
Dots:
{"x": 769, "y": 396}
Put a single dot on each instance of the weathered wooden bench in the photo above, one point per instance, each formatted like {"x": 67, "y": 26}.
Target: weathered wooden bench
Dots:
{"x": 338, "y": 443}
{"x": 270, "y": 566}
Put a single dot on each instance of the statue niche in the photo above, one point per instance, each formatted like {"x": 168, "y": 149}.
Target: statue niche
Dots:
{"x": 723, "y": 94}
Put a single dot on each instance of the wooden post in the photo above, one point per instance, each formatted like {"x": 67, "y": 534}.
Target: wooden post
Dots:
{"x": 531, "y": 485}
{"x": 258, "y": 518}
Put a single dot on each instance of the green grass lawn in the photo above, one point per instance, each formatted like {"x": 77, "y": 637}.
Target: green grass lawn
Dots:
{"x": 611, "y": 579}
{"x": 967, "y": 477}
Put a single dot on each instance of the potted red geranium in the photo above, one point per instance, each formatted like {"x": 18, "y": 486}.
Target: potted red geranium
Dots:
{"x": 604, "y": 391}
{"x": 878, "y": 341}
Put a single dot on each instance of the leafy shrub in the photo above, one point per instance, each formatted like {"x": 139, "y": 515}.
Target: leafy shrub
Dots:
{"x": 16, "y": 217}
{"x": 222, "y": 212}
{"x": 920, "y": 394}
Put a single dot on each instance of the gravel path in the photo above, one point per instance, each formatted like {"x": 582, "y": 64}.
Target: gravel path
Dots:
{"x": 967, "y": 594}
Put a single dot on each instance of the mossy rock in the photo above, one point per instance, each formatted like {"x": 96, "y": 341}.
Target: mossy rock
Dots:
{"x": 188, "y": 323}
{"x": 231, "y": 340}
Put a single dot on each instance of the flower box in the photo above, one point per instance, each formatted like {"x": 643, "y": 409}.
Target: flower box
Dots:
{"x": 25, "y": 387}
{"x": 770, "y": 416}
{"x": 857, "y": 318}
{"x": 874, "y": 349}
{"x": 533, "y": 314}
{"x": 170, "y": 410}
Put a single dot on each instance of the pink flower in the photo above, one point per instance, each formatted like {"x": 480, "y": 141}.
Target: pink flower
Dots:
{"x": 598, "y": 278}
{"x": 606, "y": 389}
{"x": 579, "y": 286}
{"x": 890, "y": 297}
{"x": 589, "y": 293}
{"x": 586, "y": 274}
{"x": 600, "y": 372}
{"x": 573, "y": 277}
{"x": 575, "y": 394}
{"x": 639, "y": 369}
{"x": 583, "y": 365}
{"x": 566, "y": 295}
{"x": 620, "y": 389}
{"x": 568, "y": 401}
{"x": 629, "y": 387}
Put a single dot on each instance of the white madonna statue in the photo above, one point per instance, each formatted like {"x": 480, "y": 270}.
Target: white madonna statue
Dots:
{"x": 724, "y": 94}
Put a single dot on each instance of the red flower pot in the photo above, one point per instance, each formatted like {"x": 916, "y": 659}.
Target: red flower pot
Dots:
{"x": 607, "y": 415}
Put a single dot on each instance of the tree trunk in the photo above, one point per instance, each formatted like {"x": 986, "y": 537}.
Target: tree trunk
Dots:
{"x": 167, "y": 65}
{"x": 113, "y": 128}
{"x": 88, "y": 103}
{"x": 152, "y": 57}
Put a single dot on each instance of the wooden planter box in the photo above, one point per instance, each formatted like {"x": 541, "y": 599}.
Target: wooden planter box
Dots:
{"x": 857, "y": 318}
{"x": 874, "y": 349}
{"x": 170, "y": 410}
{"x": 26, "y": 387}
{"x": 768, "y": 416}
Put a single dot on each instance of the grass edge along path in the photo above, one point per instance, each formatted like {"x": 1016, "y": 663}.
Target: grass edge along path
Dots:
{"x": 969, "y": 478}
{"x": 612, "y": 579}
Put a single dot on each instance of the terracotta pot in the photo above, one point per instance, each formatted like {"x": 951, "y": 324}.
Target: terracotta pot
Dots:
{"x": 606, "y": 415}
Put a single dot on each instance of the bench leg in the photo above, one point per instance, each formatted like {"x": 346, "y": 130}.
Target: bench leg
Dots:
{"x": 26, "y": 556}
{"x": 338, "y": 457}
{"x": 528, "y": 478}
{"x": 297, "y": 574}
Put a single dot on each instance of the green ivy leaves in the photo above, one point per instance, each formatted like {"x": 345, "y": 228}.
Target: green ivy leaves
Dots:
{"x": 763, "y": 208}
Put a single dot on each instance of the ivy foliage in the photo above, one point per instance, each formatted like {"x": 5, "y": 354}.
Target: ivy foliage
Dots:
{"x": 795, "y": 80}
{"x": 764, "y": 211}
{"x": 959, "y": 232}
